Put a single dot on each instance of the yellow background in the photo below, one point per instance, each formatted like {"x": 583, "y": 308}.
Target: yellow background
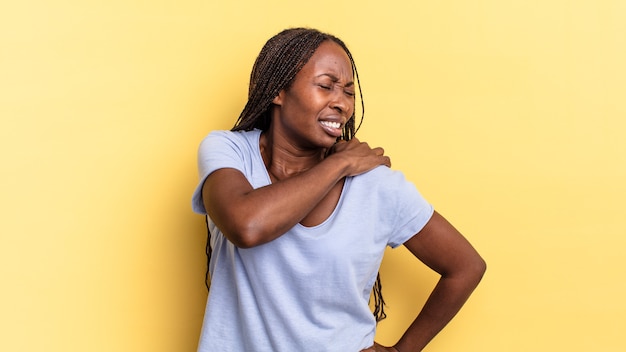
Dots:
{"x": 508, "y": 115}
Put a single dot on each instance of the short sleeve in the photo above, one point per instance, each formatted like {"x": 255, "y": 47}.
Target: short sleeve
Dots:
{"x": 218, "y": 150}
{"x": 412, "y": 211}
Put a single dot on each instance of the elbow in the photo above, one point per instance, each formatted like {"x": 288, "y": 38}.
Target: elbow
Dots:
{"x": 247, "y": 236}
{"x": 246, "y": 230}
{"x": 245, "y": 243}
{"x": 476, "y": 269}
{"x": 470, "y": 270}
{"x": 240, "y": 242}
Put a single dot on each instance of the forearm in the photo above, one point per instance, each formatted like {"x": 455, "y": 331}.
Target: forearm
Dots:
{"x": 260, "y": 215}
{"x": 444, "y": 303}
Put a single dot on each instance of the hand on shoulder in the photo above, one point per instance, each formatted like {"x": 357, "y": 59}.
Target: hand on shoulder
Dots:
{"x": 359, "y": 156}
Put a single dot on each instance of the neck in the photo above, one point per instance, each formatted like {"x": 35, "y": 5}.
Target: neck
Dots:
{"x": 283, "y": 159}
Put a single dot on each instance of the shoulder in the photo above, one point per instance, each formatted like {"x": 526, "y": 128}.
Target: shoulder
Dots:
{"x": 392, "y": 201}
{"x": 225, "y": 136}
{"x": 387, "y": 184}
{"x": 223, "y": 139}
{"x": 383, "y": 177}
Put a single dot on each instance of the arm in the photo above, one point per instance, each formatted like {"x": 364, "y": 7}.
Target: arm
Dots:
{"x": 442, "y": 248}
{"x": 249, "y": 217}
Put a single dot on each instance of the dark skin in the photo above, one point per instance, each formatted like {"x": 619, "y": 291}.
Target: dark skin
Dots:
{"x": 308, "y": 168}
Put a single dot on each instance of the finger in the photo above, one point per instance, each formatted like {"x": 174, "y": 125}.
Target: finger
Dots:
{"x": 338, "y": 146}
{"x": 339, "y": 143}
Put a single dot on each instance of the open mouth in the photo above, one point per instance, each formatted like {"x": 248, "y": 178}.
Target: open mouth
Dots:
{"x": 330, "y": 124}
{"x": 332, "y": 128}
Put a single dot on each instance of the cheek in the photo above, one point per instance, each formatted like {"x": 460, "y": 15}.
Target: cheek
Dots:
{"x": 306, "y": 100}
{"x": 351, "y": 110}
{"x": 311, "y": 103}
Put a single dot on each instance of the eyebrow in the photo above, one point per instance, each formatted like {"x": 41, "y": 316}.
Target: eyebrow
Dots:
{"x": 336, "y": 79}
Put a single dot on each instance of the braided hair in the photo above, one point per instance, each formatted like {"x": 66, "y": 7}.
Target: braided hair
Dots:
{"x": 275, "y": 69}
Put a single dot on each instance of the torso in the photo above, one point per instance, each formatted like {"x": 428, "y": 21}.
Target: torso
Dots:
{"x": 323, "y": 209}
{"x": 317, "y": 278}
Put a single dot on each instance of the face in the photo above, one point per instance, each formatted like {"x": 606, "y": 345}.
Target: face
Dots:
{"x": 312, "y": 112}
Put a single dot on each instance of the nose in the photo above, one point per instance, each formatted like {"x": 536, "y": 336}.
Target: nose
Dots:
{"x": 342, "y": 103}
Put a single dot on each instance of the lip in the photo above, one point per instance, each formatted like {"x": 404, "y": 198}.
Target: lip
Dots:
{"x": 335, "y": 132}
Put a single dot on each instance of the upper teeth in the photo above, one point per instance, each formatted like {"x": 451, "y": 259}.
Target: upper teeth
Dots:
{"x": 331, "y": 124}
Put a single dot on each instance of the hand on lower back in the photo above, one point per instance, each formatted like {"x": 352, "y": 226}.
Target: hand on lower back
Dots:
{"x": 379, "y": 348}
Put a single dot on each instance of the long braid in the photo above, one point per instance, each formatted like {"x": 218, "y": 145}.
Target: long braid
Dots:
{"x": 282, "y": 57}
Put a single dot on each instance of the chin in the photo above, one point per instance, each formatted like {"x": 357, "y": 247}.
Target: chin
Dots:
{"x": 329, "y": 143}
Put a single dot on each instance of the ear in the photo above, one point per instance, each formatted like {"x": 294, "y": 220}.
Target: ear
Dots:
{"x": 278, "y": 100}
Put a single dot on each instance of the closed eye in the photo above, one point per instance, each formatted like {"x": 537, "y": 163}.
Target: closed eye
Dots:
{"x": 325, "y": 87}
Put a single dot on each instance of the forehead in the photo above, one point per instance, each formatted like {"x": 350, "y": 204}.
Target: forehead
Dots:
{"x": 330, "y": 58}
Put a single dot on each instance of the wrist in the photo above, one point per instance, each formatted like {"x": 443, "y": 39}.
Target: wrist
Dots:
{"x": 339, "y": 163}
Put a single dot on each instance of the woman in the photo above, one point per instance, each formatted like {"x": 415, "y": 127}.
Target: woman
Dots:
{"x": 300, "y": 213}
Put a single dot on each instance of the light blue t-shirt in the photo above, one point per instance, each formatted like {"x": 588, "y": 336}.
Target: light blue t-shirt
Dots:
{"x": 307, "y": 290}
